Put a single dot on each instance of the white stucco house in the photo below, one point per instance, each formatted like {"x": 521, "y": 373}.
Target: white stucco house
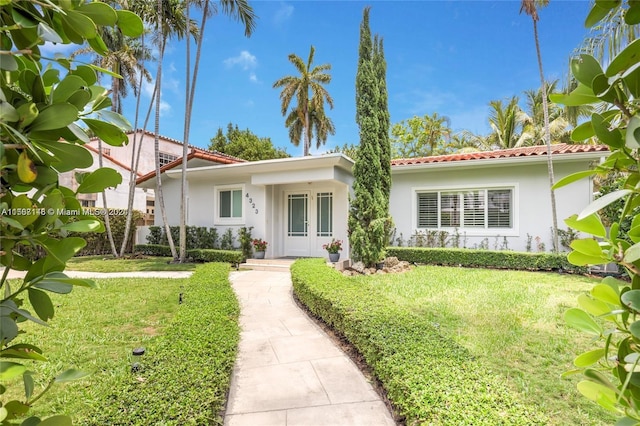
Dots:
{"x": 299, "y": 204}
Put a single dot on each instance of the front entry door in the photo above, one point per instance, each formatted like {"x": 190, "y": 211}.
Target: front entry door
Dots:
{"x": 297, "y": 232}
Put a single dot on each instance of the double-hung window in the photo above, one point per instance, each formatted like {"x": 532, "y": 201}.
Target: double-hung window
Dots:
{"x": 469, "y": 209}
{"x": 325, "y": 214}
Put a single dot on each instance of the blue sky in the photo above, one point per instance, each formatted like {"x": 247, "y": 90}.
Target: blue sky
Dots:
{"x": 450, "y": 57}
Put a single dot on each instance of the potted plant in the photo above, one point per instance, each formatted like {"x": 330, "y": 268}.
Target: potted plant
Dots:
{"x": 260, "y": 246}
{"x": 333, "y": 248}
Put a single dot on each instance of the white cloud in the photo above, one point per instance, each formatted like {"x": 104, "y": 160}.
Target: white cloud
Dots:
{"x": 245, "y": 60}
{"x": 283, "y": 13}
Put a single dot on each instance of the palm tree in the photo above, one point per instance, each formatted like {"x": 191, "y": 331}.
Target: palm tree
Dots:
{"x": 310, "y": 80}
{"x": 530, "y": 8}
{"x": 609, "y": 36}
{"x": 533, "y": 130}
{"x": 240, "y": 10}
{"x": 319, "y": 125}
{"x": 506, "y": 122}
{"x": 168, "y": 19}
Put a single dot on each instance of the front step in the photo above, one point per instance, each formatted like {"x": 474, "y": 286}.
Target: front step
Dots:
{"x": 278, "y": 265}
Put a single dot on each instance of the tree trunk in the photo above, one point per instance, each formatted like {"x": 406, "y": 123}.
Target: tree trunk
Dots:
{"x": 134, "y": 168}
{"x": 547, "y": 137}
{"x": 159, "y": 198}
{"x": 307, "y": 136}
{"x": 185, "y": 148}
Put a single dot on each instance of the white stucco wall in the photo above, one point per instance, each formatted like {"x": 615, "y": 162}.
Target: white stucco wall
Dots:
{"x": 532, "y": 204}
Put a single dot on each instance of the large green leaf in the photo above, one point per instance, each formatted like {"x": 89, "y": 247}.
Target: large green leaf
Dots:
{"x": 129, "y": 23}
{"x": 23, "y": 351}
{"x": 632, "y": 254}
{"x": 588, "y": 358}
{"x": 624, "y": 60}
{"x": 580, "y": 320}
{"x": 582, "y": 132}
{"x": 67, "y": 156}
{"x": 67, "y": 87}
{"x": 574, "y": 177}
{"x": 587, "y": 246}
{"x": 9, "y": 370}
{"x": 60, "y": 251}
{"x": 99, "y": 180}
{"x": 109, "y": 133}
{"x": 70, "y": 375}
{"x": 80, "y": 23}
{"x": 631, "y": 140}
{"x": 25, "y": 211}
{"x": 631, "y": 299}
{"x": 581, "y": 259}
{"x": 632, "y": 15}
{"x": 585, "y": 68}
{"x": 606, "y": 294}
{"x": 58, "y": 420}
{"x": 86, "y": 72}
{"x": 605, "y": 90}
{"x": 591, "y": 225}
{"x": 594, "y": 307}
{"x": 41, "y": 303}
{"x": 581, "y": 95}
{"x": 603, "y": 202}
{"x": 83, "y": 226}
{"x": 100, "y": 13}
{"x": 114, "y": 118}
{"x": 613, "y": 137}
{"x": 54, "y": 117}
{"x": 596, "y": 14}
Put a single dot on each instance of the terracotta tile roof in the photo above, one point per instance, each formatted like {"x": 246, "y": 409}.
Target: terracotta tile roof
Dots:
{"x": 201, "y": 154}
{"x": 529, "y": 151}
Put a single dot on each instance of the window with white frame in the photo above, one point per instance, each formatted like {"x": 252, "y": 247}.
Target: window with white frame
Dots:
{"x": 325, "y": 214}
{"x": 470, "y": 208}
{"x": 230, "y": 204}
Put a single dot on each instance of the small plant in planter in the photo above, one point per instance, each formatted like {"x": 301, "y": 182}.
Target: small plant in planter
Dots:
{"x": 259, "y": 246}
{"x": 333, "y": 248}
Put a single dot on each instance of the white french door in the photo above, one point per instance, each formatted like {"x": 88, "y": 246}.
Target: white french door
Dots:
{"x": 298, "y": 226}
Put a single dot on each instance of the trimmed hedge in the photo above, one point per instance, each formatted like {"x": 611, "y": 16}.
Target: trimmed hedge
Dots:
{"x": 187, "y": 369}
{"x": 429, "y": 379}
{"x": 502, "y": 259}
{"x": 197, "y": 255}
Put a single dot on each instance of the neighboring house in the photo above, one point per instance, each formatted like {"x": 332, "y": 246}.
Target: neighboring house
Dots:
{"x": 119, "y": 158}
{"x": 491, "y": 195}
{"x": 116, "y": 197}
{"x": 299, "y": 204}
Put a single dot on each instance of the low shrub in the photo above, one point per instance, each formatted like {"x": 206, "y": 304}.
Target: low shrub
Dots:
{"x": 486, "y": 259}
{"x": 209, "y": 255}
{"x": 197, "y": 255}
{"x": 152, "y": 250}
{"x": 186, "y": 370}
{"x": 429, "y": 379}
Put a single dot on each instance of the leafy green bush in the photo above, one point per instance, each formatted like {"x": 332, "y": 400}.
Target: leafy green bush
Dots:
{"x": 486, "y": 259}
{"x": 198, "y": 237}
{"x": 197, "y": 255}
{"x": 210, "y": 255}
{"x": 429, "y": 378}
{"x": 155, "y": 235}
{"x": 187, "y": 370}
{"x": 152, "y": 250}
{"x": 98, "y": 242}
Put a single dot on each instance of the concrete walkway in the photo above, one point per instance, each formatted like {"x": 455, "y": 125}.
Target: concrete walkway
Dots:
{"x": 288, "y": 371}
{"x": 137, "y": 274}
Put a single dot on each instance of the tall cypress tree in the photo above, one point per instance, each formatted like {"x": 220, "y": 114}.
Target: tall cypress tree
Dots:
{"x": 368, "y": 215}
{"x": 384, "y": 121}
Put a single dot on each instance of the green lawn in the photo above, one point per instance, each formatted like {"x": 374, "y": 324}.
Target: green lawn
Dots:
{"x": 461, "y": 346}
{"x": 190, "y": 350}
{"x": 110, "y": 264}
{"x": 512, "y": 321}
